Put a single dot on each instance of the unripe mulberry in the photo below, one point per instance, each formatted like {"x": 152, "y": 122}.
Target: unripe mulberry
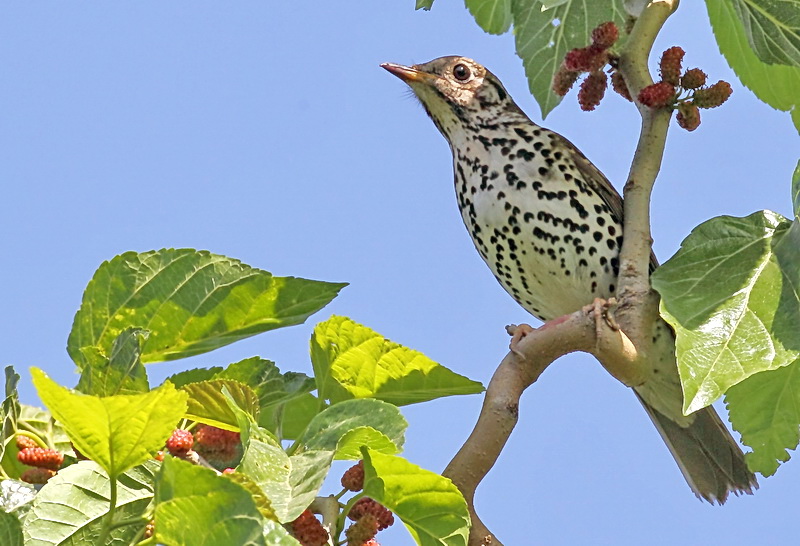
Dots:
{"x": 215, "y": 438}
{"x": 24, "y": 442}
{"x": 605, "y": 35}
{"x": 657, "y": 95}
{"x": 149, "y": 529}
{"x": 688, "y": 116}
{"x": 592, "y": 90}
{"x": 353, "y": 477}
{"x": 37, "y": 475}
{"x": 366, "y": 505}
{"x": 713, "y": 96}
{"x": 563, "y": 80}
{"x": 308, "y": 530}
{"x": 41, "y": 457}
{"x": 362, "y": 530}
{"x": 670, "y": 65}
{"x": 693, "y": 78}
{"x": 619, "y": 85}
{"x": 180, "y": 442}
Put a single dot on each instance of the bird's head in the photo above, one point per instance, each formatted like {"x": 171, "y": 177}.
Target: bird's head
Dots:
{"x": 458, "y": 93}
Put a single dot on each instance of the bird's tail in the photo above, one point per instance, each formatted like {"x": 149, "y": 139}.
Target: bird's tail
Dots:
{"x": 708, "y": 456}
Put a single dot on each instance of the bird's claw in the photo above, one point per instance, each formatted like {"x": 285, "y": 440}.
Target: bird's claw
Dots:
{"x": 517, "y": 332}
{"x": 604, "y": 309}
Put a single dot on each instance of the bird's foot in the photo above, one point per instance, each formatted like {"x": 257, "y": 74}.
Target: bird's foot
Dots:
{"x": 517, "y": 332}
{"x": 603, "y": 310}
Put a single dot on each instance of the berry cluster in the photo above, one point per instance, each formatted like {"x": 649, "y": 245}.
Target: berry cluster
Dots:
{"x": 220, "y": 447}
{"x": 692, "y": 84}
{"x": 308, "y": 530}
{"x": 367, "y": 506}
{"x": 353, "y": 478}
{"x": 44, "y": 462}
{"x": 591, "y": 59}
{"x": 180, "y": 443}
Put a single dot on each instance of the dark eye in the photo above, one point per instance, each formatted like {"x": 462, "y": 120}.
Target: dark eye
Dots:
{"x": 461, "y": 72}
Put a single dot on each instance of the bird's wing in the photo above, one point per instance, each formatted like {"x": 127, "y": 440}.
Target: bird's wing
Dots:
{"x": 599, "y": 183}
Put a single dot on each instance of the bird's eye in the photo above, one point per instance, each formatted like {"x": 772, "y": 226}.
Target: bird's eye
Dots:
{"x": 461, "y": 72}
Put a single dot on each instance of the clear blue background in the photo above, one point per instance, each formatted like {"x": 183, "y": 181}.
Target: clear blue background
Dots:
{"x": 267, "y": 132}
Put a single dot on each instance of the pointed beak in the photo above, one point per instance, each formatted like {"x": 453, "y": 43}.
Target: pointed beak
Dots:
{"x": 408, "y": 74}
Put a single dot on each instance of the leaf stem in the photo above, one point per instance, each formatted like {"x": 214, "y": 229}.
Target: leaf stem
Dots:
{"x": 112, "y": 509}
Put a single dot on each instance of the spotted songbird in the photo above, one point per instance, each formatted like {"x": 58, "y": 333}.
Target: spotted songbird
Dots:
{"x": 549, "y": 226}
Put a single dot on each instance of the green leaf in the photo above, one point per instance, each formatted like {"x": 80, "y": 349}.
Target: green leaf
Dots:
{"x": 309, "y": 470}
{"x": 353, "y": 361}
{"x": 765, "y": 409}
{"x": 122, "y": 372}
{"x": 424, "y": 4}
{"x": 190, "y": 301}
{"x": 16, "y": 497}
{"x": 327, "y": 429}
{"x": 773, "y": 29}
{"x": 544, "y": 36}
{"x": 493, "y": 16}
{"x": 264, "y": 377}
{"x": 72, "y": 508}
{"x": 118, "y": 432}
{"x": 40, "y": 422}
{"x": 195, "y": 375}
{"x": 796, "y": 191}
{"x": 207, "y": 403}
{"x": 262, "y": 502}
{"x": 276, "y": 535}
{"x": 9, "y": 409}
{"x": 289, "y": 420}
{"x": 350, "y": 444}
{"x": 430, "y": 506}
{"x": 731, "y": 295}
{"x": 216, "y": 510}
{"x": 10, "y": 530}
{"x": 776, "y": 85}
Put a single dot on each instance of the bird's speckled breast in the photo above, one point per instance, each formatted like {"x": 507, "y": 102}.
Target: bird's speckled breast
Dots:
{"x": 550, "y": 240}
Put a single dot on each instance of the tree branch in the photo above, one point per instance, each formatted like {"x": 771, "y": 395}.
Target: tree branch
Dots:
{"x": 622, "y": 350}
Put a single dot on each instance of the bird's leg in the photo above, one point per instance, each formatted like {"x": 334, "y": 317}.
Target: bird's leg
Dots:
{"x": 603, "y": 309}
{"x": 517, "y": 332}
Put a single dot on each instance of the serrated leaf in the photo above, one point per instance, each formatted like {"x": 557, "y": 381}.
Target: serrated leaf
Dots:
{"x": 216, "y": 509}
{"x": 16, "y": 497}
{"x": 122, "y": 372}
{"x": 772, "y": 28}
{"x": 72, "y": 508}
{"x": 195, "y": 375}
{"x": 731, "y": 295}
{"x": 264, "y": 377}
{"x": 424, "y": 4}
{"x": 117, "y": 432}
{"x": 190, "y": 301}
{"x": 544, "y": 36}
{"x": 262, "y": 502}
{"x": 309, "y": 470}
{"x": 207, "y": 403}
{"x": 350, "y": 444}
{"x": 327, "y": 429}
{"x": 9, "y": 409}
{"x": 765, "y": 409}
{"x": 40, "y": 422}
{"x": 796, "y": 191}
{"x": 276, "y": 535}
{"x": 493, "y": 16}
{"x": 10, "y": 530}
{"x": 776, "y": 85}
{"x": 430, "y": 506}
{"x": 289, "y": 420}
{"x": 353, "y": 361}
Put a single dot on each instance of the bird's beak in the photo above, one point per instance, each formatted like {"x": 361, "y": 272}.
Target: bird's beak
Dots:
{"x": 408, "y": 74}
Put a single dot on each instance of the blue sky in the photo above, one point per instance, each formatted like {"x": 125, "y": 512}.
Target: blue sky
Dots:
{"x": 267, "y": 132}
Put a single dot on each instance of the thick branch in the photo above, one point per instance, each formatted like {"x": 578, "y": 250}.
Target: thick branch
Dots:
{"x": 637, "y": 309}
{"x": 583, "y": 330}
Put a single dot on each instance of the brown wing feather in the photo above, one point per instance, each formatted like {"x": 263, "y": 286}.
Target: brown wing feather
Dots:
{"x": 599, "y": 183}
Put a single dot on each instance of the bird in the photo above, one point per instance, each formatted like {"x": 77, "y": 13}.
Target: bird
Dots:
{"x": 549, "y": 225}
